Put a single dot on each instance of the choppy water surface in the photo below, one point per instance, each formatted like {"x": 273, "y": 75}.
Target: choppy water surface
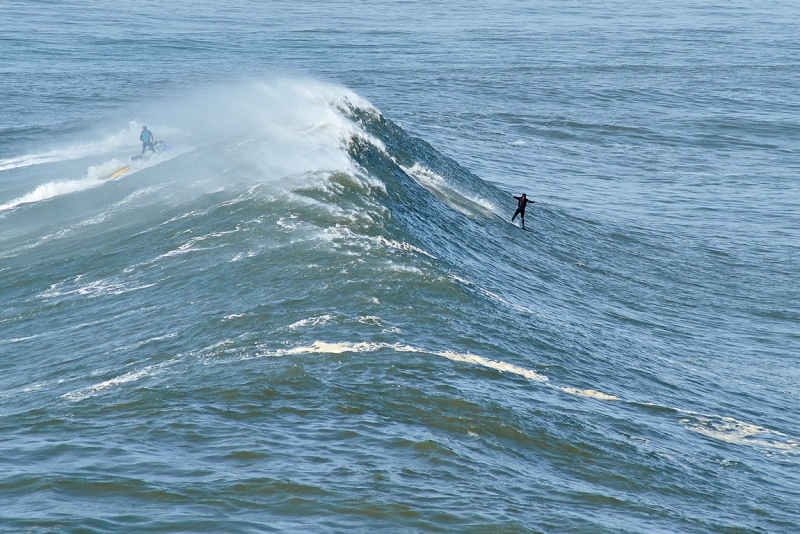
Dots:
{"x": 312, "y": 314}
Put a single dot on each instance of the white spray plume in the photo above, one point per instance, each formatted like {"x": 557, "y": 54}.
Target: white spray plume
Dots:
{"x": 268, "y": 129}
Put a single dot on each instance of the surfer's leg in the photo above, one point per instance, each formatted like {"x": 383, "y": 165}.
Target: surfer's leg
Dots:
{"x": 515, "y": 215}
{"x": 522, "y": 218}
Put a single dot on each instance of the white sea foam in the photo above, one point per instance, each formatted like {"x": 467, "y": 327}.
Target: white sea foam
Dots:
{"x": 591, "y": 393}
{"x": 17, "y": 339}
{"x": 97, "y": 388}
{"x": 322, "y": 347}
{"x": 283, "y": 222}
{"x": 332, "y": 348}
{"x": 311, "y": 321}
{"x": 243, "y": 255}
{"x": 460, "y": 280}
{"x": 51, "y": 190}
{"x": 190, "y": 245}
{"x": 97, "y": 288}
{"x": 392, "y": 330}
{"x": 493, "y": 364}
{"x": 402, "y": 268}
{"x": 738, "y": 432}
{"x": 370, "y": 320}
{"x": 725, "y": 429}
{"x": 401, "y": 245}
{"x": 341, "y": 232}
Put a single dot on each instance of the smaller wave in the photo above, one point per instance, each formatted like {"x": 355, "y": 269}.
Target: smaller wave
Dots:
{"x": 97, "y": 388}
{"x": 721, "y": 428}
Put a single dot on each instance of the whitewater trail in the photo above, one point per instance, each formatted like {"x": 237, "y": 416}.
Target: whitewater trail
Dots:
{"x": 96, "y": 175}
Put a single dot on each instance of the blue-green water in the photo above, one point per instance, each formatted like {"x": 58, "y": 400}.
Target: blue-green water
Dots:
{"x": 312, "y": 313}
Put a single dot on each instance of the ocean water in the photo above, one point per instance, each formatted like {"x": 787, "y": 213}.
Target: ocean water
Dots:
{"x": 312, "y": 313}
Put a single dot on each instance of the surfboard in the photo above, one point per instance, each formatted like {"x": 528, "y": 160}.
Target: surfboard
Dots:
{"x": 120, "y": 172}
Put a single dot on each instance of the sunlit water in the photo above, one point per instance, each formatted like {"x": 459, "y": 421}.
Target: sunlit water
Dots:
{"x": 313, "y": 314}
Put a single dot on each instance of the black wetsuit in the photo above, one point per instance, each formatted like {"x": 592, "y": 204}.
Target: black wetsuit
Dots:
{"x": 521, "y": 203}
{"x": 148, "y": 141}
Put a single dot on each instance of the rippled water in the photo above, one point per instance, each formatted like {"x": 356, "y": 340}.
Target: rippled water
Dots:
{"x": 312, "y": 313}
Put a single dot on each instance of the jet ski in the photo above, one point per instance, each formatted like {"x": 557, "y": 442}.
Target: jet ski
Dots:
{"x": 158, "y": 147}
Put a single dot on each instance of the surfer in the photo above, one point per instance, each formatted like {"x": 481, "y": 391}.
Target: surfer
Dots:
{"x": 147, "y": 139}
{"x": 521, "y": 203}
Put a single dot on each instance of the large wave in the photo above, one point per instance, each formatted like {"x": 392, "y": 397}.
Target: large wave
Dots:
{"x": 347, "y": 201}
